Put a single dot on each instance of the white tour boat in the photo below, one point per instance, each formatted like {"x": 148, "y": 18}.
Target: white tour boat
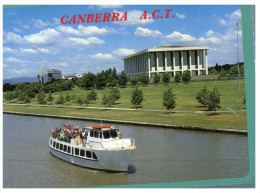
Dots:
{"x": 99, "y": 147}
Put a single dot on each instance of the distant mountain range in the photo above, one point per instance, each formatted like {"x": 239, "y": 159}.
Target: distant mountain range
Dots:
{"x": 18, "y": 80}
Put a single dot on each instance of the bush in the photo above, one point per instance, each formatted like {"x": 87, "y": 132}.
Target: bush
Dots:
{"x": 177, "y": 77}
{"x": 186, "y": 76}
{"x": 133, "y": 80}
{"x": 166, "y": 78}
{"x": 156, "y": 79}
{"x": 144, "y": 79}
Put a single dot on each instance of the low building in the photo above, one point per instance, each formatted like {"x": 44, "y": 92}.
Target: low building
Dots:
{"x": 70, "y": 77}
{"x": 47, "y": 75}
{"x": 169, "y": 59}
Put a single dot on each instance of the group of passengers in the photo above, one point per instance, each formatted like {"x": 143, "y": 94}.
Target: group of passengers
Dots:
{"x": 68, "y": 133}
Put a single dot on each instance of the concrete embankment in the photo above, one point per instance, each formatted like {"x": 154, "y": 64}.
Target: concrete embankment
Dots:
{"x": 192, "y": 128}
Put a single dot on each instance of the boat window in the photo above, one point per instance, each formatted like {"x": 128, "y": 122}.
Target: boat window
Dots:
{"x": 91, "y": 133}
{"x": 61, "y": 147}
{"x": 65, "y": 148}
{"x": 57, "y": 145}
{"x": 100, "y": 135}
{"x": 95, "y": 134}
{"x": 106, "y": 134}
{"x": 94, "y": 156}
{"x": 82, "y": 152}
{"x": 54, "y": 144}
{"x": 113, "y": 133}
{"x": 68, "y": 149}
{"x": 50, "y": 142}
{"x": 88, "y": 154}
{"x": 76, "y": 151}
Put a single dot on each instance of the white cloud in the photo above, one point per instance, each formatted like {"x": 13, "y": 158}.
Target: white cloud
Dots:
{"x": 38, "y": 23}
{"x": 180, "y": 38}
{"x": 12, "y": 60}
{"x": 84, "y": 31}
{"x": 145, "y": 32}
{"x": 86, "y": 42}
{"x": 13, "y": 38}
{"x": 181, "y": 16}
{"x": 44, "y": 50}
{"x": 102, "y": 56}
{"x": 121, "y": 52}
{"x": 46, "y": 37}
{"x": 9, "y": 50}
{"x": 133, "y": 18}
{"x": 17, "y": 30}
{"x": 210, "y": 33}
{"x": 27, "y": 51}
{"x": 222, "y": 22}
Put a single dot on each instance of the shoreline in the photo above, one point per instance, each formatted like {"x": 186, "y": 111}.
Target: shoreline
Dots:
{"x": 191, "y": 128}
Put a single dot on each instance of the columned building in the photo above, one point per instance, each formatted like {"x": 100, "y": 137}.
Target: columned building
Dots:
{"x": 169, "y": 59}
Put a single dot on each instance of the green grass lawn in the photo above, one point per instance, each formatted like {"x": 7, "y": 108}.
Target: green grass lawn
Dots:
{"x": 185, "y": 94}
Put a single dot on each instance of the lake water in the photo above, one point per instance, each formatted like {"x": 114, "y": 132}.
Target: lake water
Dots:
{"x": 162, "y": 155}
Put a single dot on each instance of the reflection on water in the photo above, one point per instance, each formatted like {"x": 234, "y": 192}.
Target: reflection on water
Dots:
{"x": 162, "y": 155}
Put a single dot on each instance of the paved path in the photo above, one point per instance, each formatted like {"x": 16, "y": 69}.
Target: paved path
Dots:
{"x": 130, "y": 109}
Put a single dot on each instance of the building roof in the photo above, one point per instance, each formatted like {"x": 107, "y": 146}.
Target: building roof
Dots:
{"x": 167, "y": 48}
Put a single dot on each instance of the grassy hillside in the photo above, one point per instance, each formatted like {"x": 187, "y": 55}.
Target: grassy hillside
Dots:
{"x": 231, "y": 100}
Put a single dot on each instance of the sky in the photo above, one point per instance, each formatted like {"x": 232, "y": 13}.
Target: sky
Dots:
{"x": 33, "y": 37}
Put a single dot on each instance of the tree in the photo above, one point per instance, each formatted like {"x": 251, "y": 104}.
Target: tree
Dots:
{"x": 80, "y": 101}
{"x": 186, "y": 76}
{"x": 122, "y": 79}
{"x": 213, "y": 71}
{"x": 137, "y": 97}
{"x": 156, "y": 79}
{"x": 133, "y": 80}
{"x": 106, "y": 101}
{"x": 41, "y": 98}
{"x": 166, "y": 78}
{"x": 202, "y": 96}
{"x": 50, "y": 97}
{"x": 21, "y": 96}
{"x": 60, "y": 100}
{"x": 67, "y": 97}
{"x": 177, "y": 77}
{"x": 86, "y": 100}
{"x": 87, "y": 80}
{"x": 214, "y": 100}
{"x": 92, "y": 95}
{"x": 27, "y": 99}
{"x": 100, "y": 80}
{"x": 169, "y": 99}
{"x": 115, "y": 95}
{"x": 144, "y": 79}
{"x": 111, "y": 81}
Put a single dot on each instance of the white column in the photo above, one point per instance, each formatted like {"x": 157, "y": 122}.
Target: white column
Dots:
{"x": 157, "y": 62}
{"x": 198, "y": 58}
{"x": 206, "y": 58}
{"x": 149, "y": 63}
{"x": 181, "y": 60}
{"x": 165, "y": 61}
{"x": 173, "y": 60}
{"x": 190, "y": 59}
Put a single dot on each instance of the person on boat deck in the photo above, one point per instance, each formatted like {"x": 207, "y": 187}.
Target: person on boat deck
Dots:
{"x": 119, "y": 134}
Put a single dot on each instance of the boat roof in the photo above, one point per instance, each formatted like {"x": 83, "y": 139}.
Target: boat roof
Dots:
{"x": 100, "y": 127}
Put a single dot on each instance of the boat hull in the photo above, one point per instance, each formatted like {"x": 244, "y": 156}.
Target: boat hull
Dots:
{"x": 110, "y": 160}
